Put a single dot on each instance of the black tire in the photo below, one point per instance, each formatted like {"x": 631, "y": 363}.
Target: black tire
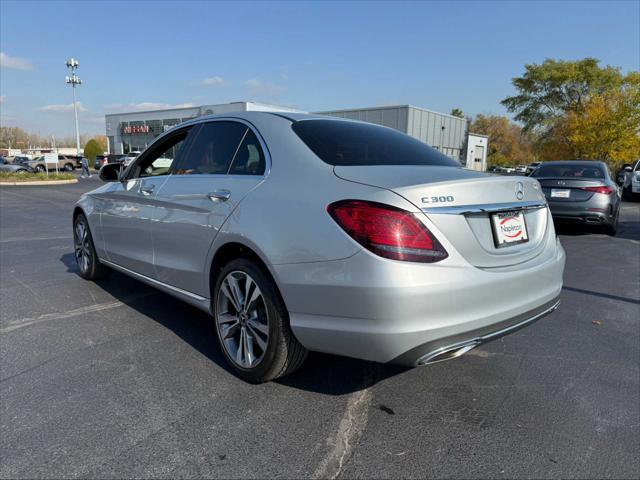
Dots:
{"x": 68, "y": 167}
{"x": 283, "y": 353}
{"x": 40, "y": 169}
{"x": 92, "y": 269}
{"x": 612, "y": 228}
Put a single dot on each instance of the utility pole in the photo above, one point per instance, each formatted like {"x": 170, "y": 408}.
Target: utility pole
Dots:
{"x": 72, "y": 64}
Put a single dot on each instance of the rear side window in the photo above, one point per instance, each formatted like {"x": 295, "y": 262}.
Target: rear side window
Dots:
{"x": 213, "y": 149}
{"x": 249, "y": 159}
{"x": 344, "y": 143}
{"x": 570, "y": 171}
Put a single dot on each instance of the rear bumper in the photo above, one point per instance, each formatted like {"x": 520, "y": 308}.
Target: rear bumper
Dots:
{"x": 388, "y": 311}
{"x": 430, "y": 352}
{"x": 594, "y": 215}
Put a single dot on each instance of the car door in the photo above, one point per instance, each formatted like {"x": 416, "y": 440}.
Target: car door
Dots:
{"x": 226, "y": 160}
{"x": 127, "y": 209}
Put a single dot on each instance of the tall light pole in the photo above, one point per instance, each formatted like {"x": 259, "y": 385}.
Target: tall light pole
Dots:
{"x": 72, "y": 64}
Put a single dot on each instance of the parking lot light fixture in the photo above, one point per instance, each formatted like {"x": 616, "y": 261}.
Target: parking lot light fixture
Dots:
{"x": 73, "y": 79}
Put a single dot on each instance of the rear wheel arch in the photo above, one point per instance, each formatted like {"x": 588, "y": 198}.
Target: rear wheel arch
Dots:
{"x": 283, "y": 353}
{"x": 231, "y": 251}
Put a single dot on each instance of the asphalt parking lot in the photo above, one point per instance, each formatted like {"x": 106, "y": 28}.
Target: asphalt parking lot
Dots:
{"x": 117, "y": 380}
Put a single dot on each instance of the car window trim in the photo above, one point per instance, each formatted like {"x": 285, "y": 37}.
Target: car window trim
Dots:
{"x": 235, "y": 154}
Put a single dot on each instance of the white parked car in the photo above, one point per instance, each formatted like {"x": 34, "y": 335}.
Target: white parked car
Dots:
{"x": 531, "y": 167}
{"x": 130, "y": 157}
{"x": 631, "y": 183}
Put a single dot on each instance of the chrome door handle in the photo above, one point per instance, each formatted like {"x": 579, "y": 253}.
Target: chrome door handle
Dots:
{"x": 147, "y": 189}
{"x": 219, "y": 195}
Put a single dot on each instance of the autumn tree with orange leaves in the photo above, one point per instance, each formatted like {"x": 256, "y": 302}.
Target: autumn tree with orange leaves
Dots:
{"x": 508, "y": 144}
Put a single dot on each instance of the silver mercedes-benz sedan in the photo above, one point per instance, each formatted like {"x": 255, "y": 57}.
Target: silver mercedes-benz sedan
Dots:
{"x": 303, "y": 232}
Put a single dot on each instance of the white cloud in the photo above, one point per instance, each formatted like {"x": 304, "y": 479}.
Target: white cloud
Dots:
{"x": 258, "y": 87}
{"x": 143, "y": 106}
{"x": 16, "y": 63}
{"x": 213, "y": 81}
{"x": 2, "y": 97}
{"x": 63, "y": 108}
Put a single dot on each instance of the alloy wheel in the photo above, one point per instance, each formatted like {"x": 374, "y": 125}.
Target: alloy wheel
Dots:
{"x": 82, "y": 246}
{"x": 242, "y": 320}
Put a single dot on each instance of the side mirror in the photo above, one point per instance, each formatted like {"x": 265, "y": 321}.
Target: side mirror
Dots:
{"x": 628, "y": 169}
{"x": 110, "y": 172}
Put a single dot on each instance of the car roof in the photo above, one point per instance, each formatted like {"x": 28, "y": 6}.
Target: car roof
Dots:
{"x": 576, "y": 162}
{"x": 292, "y": 116}
{"x": 258, "y": 115}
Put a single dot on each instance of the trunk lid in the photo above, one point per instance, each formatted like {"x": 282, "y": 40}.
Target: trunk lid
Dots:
{"x": 572, "y": 187}
{"x": 460, "y": 203}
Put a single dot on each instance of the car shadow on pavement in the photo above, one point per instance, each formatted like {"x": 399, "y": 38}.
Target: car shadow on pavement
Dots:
{"x": 627, "y": 230}
{"x": 321, "y": 373}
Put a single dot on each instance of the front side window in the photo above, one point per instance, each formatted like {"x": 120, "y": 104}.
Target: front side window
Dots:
{"x": 343, "y": 143}
{"x": 159, "y": 159}
{"x": 213, "y": 149}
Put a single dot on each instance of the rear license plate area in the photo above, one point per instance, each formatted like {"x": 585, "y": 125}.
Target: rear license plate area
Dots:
{"x": 560, "y": 193}
{"x": 509, "y": 228}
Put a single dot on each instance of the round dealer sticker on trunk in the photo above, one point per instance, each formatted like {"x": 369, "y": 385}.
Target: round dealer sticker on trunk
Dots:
{"x": 510, "y": 227}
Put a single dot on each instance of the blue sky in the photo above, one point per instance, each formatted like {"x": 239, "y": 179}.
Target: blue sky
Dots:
{"x": 313, "y": 56}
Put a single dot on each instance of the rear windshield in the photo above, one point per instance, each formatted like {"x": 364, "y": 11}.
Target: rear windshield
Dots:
{"x": 571, "y": 171}
{"x": 342, "y": 143}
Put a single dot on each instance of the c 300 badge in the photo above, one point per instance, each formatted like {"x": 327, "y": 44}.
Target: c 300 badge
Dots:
{"x": 438, "y": 199}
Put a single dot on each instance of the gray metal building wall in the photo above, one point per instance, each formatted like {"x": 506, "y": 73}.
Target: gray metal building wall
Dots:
{"x": 394, "y": 117}
{"x": 420, "y": 123}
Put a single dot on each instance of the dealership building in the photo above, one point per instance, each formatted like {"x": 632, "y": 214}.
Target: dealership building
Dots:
{"x": 134, "y": 131}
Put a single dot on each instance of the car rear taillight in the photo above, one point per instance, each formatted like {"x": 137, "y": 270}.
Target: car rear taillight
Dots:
{"x": 603, "y": 190}
{"x": 387, "y": 231}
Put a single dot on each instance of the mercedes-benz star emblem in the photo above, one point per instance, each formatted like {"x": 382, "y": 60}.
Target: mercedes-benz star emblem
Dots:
{"x": 519, "y": 191}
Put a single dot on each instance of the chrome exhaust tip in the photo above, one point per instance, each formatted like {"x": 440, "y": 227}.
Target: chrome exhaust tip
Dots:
{"x": 446, "y": 353}
{"x": 593, "y": 220}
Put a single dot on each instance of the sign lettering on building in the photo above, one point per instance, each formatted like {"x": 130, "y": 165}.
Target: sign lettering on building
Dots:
{"x": 133, "y": 129}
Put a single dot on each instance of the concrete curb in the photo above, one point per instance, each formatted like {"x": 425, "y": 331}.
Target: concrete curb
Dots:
{"x": 39, "y": 182}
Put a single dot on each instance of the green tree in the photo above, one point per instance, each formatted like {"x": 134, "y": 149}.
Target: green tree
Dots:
{"x": 102, "y": 141}
{"x": 508, "y": 144}
{"x": 607, "y": 128}
{"x": 457, "y": 112}
{"x": 91, "y": 149}
{"x": 550, "y": 90}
